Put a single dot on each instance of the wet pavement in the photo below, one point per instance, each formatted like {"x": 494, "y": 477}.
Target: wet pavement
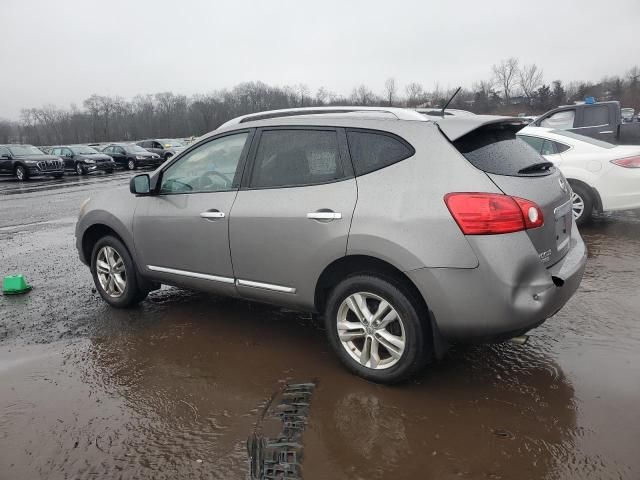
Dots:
{"x": 175, "y": 387}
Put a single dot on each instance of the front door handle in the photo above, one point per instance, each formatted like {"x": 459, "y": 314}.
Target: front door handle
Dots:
{"x": 324, "y": 215}
{"x": 212, "y": 214}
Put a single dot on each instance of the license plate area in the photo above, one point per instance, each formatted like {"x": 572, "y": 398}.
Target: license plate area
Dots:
{"x": 563, "y": 218}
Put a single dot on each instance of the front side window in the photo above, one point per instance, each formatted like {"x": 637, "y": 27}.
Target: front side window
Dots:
{"x": 371, "y": 151}
{"x": 209, "y": 168}
{"x": 596, "y": 116}
{"x": 560, "y": 120}
{"x": 4, "y": 152}
{"x": 296, "y": 157}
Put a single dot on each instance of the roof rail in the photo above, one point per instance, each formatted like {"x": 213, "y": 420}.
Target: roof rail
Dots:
{"x": 399, "y": 113}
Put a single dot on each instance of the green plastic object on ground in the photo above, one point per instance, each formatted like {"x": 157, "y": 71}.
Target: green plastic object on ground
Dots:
{"x": 15, "y": 284}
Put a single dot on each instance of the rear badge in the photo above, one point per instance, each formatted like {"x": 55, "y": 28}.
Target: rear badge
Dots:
{"x": 545, "y": 256}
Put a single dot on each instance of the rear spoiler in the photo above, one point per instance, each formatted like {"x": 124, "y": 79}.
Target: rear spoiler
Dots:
{"x": 456, "y": 127}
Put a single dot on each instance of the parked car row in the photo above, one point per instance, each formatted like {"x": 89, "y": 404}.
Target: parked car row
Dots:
{"x": 26, "y": 161}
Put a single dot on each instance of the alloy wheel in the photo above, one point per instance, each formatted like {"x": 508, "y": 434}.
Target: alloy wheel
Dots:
{"x": 20, "y": 173}
{"x": 111, "y": 271}
{"x": 371, "y": 330}
{"x": 131, "y": 165}
{"x": 577, "y": 205}
{"x": 79, "y": 169}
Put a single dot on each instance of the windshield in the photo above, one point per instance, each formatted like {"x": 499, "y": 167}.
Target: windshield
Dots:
{"x": 84, "y": 150}
{"x": 171, "y": 142}
{"x": 24, "y": 150}
{"x": 582, "y": 138}
{"x": 135, "y": 149}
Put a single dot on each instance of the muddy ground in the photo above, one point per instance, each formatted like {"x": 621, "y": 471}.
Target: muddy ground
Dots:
{"x": 174, "y": 388}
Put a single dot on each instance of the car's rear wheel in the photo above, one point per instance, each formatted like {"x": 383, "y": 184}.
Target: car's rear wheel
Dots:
{"x": 114, "y": 273}
{"x": 377, "y": 328}
{"x": 131, "y": 164}
{"x": 582, "y": 204}
{"x": 21, "y": 173}
{"x": 80, "y": 169}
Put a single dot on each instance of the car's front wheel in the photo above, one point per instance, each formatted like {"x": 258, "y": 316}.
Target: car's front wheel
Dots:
{"x": 582, "y": 204}
{"x": 131, "y": 164}
{"x": 80, "y": 169}
{"x": 21, "y": 173}
{"x": 377, "y": 328}
{"x": 114, "y": 273}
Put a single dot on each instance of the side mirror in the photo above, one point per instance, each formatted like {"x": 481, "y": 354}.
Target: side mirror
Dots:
{"x": 69, "y": 155}
{"x": 140, "y": 184}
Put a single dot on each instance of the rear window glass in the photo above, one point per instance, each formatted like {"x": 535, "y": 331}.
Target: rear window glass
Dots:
{"x": 372, "y": 151}
{"x": 496, "y": 149}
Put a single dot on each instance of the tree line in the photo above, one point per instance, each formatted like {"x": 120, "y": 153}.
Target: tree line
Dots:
{"x": 512, "y": 87}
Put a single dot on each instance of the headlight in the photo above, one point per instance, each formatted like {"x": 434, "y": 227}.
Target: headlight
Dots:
{"x": 88, "y": 160}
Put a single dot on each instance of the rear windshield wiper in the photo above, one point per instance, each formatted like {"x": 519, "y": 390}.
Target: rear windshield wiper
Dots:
{"x": 536, "y": 167}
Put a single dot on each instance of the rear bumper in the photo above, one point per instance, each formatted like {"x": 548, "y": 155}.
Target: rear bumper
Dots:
{"x": 509, "y": 293}
{"x": 619, "y": 189}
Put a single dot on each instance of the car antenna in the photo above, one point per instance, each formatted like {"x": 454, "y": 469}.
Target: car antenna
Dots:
{"x": 449, "y": 101}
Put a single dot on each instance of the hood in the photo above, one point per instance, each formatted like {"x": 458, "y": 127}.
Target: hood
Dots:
{"x": 456, "y": 127}
{"x": 96, "y": 156}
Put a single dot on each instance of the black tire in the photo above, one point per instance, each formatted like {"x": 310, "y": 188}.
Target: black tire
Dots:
{"x": 21, "y": 173}
{"x": 131, "y": 164}
{"x": 582, "y": 194}
{"x": 80, "y": 169}
{"x": 132, "y": 293}
{"x": 414, "y": 319}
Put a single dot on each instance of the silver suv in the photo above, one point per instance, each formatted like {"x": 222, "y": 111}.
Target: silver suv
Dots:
{"x": 407, "y": 234}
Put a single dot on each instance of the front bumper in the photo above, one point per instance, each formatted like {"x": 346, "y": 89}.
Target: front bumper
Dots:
{"x": 36, "y": 172}
{"x": 99, "y": 167}
{"x": 509, "y": 293}
{"x": 149, "y": 162}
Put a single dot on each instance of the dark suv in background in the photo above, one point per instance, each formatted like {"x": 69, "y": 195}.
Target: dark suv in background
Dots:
{"x": 26, "y": 161}
{"x": 165, "y": 147}
{"x": 132, "y": 156}
{"x": 83, "y": 159}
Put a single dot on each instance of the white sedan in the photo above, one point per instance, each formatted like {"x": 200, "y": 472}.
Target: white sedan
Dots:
{"x": 603, "y": 176}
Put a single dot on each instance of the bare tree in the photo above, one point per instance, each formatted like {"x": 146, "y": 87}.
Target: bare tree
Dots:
{"x": 390, "y": 90}
{"x": 361, "y": 95}
{"x": 505, "y": 75}
{"x": 415, "y": 94}
{"x": 530, "y": 79}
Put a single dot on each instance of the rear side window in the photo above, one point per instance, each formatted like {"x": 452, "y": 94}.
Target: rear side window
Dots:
{"x": 496, "y": 149}
{"x": 597, "y": 115}
{"x": 296, "y": 158}
{"x": 372, "y": 151}
{"x": 535, "y": 142}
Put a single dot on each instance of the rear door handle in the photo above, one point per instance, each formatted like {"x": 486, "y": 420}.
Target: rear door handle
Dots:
{"x": 212, "y": 214}
{"x": 324, "y": 215}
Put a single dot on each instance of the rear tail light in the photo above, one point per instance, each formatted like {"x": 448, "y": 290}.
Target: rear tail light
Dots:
{"x": 491, "y": 213}
{"x": 629, "y": 162}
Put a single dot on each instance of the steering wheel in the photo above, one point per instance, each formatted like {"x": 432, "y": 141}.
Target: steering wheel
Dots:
{"x": 225, "y": 179}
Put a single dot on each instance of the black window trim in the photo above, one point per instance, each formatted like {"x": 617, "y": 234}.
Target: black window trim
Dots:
{"x": 347, "y": 169}
{"x": 242, "y": 161}
{"x": 412, "y": 150}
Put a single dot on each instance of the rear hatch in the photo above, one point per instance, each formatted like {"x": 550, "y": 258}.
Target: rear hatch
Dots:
{"x": 490, "y": 144}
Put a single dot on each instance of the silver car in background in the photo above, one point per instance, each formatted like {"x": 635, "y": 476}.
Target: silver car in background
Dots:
{"x": 407, "y": 234}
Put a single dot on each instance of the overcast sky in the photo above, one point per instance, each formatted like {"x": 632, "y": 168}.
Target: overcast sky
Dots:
{"x": 62, "y": 51}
